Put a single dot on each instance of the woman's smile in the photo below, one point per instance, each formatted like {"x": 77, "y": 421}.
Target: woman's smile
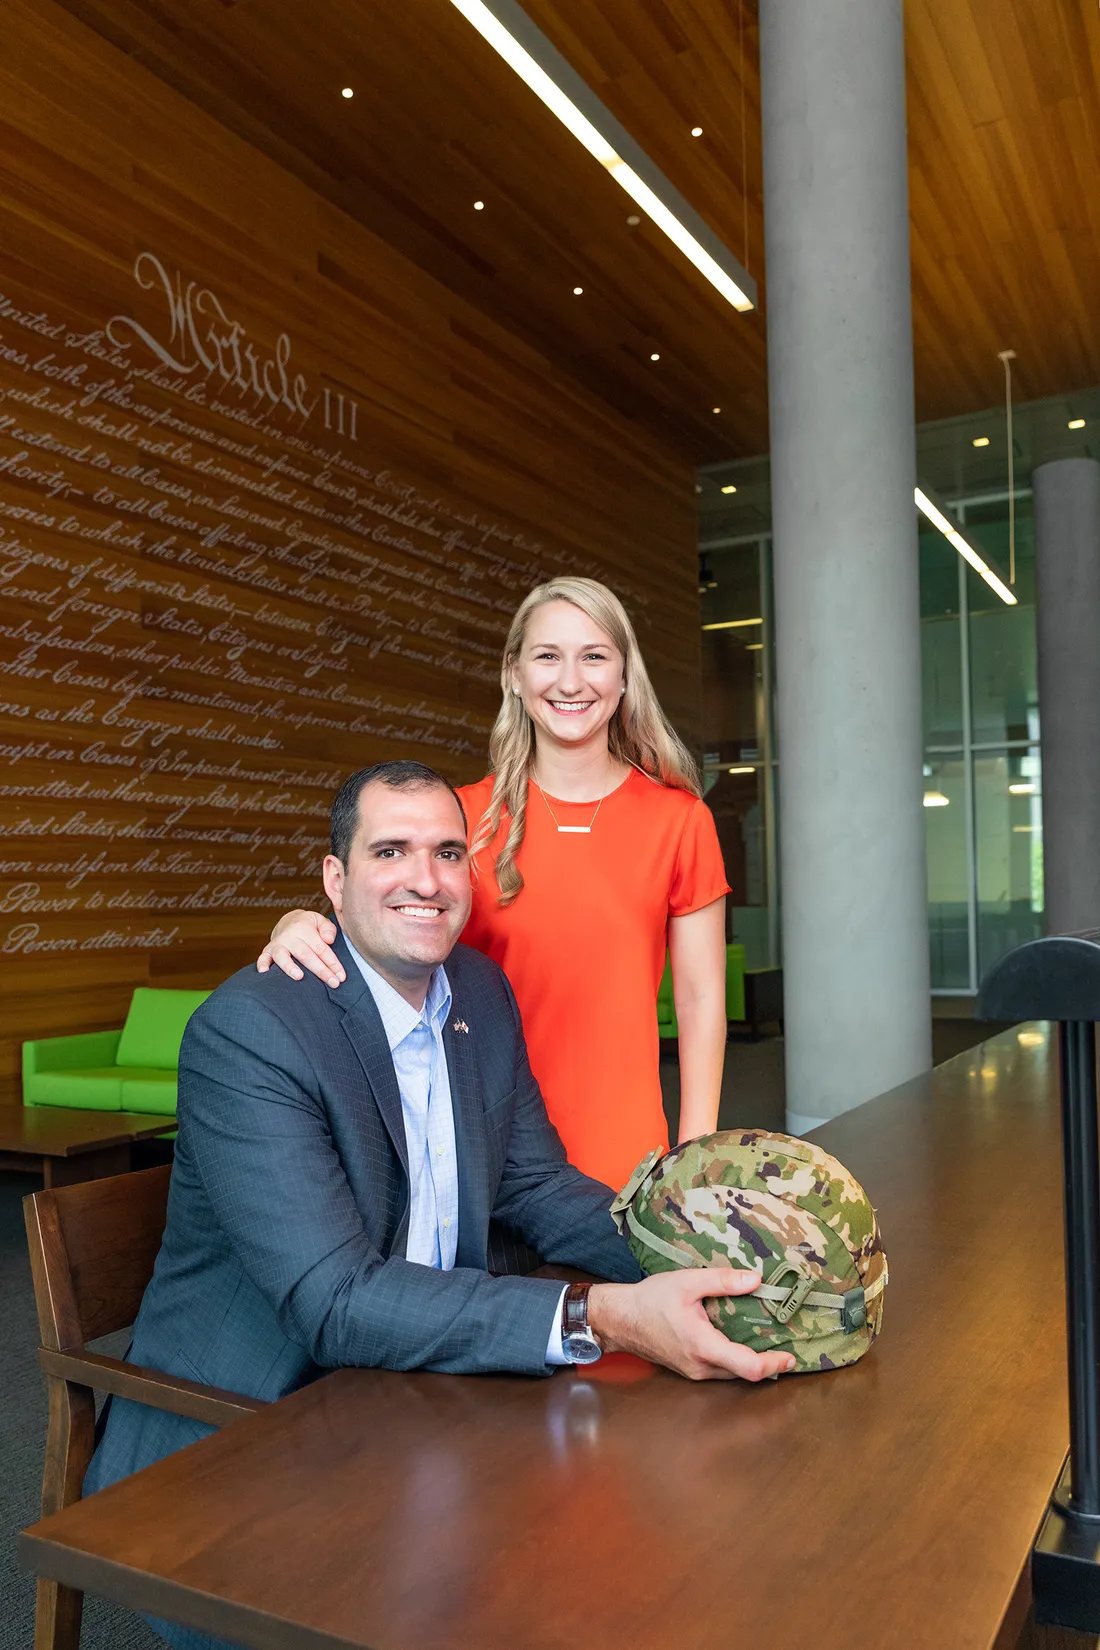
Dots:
{"x": 571, "y": 707}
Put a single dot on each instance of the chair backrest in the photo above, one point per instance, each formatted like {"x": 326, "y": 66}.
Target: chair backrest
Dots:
{"x": 155, "y": 1025}
{"x": 92, "y": 1249}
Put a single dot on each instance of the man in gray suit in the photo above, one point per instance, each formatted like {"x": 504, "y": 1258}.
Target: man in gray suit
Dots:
{"x": 342, "y": 1152}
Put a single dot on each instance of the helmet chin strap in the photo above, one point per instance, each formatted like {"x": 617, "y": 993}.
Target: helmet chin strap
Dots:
{"x": 852, "y": 1304}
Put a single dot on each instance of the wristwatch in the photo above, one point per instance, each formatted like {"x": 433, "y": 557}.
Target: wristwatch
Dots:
{"x": 578, "y": 1343}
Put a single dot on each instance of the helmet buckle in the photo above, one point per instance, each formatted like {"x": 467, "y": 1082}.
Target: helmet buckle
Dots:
{"x": 853, "y": 1311}
{"x": 785, "y": 1309}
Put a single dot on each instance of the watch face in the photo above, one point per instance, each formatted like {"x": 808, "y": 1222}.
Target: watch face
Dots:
{"x": 581, "y": 1349}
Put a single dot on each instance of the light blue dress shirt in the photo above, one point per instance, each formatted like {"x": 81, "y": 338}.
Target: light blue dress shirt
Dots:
{"x": 420, "y": 1063}
{"x": 419, "y": 1060}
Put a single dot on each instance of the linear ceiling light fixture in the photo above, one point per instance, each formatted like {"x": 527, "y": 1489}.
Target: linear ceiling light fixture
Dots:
{"x": 733, "y": 624}
{"x": 967, "y": 551}
{"x": 509, "y": 30}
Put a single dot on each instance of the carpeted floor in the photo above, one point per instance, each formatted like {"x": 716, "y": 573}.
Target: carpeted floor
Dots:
{"x": 752, "y": 1094}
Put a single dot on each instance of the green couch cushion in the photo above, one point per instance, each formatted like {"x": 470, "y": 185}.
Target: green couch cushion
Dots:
{"x": 87, "y": 1087}
{"x": 735, "y": 982}
{"x": 667, "y": 1024}
{"x": 666, "y": 1008}
{"x": 147, "y": 1090}
{"x": 88, "y": 1049}
{"x": 154, "y": 1027}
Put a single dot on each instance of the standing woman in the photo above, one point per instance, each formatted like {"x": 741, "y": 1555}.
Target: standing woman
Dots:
{"x": 591, "y": 851}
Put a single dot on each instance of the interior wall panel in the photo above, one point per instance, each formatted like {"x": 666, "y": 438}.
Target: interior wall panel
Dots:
{"x": 268, "y": 496}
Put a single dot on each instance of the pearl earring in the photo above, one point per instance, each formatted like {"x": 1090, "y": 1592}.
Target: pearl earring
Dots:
{"x": 517, "y": 693}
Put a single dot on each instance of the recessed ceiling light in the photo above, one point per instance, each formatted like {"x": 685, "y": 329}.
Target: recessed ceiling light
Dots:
{"x": 696, "y": 131}
{"x": 634, "y": 220}
{"x": 936, "y": 799}
{"x": 577, "y": 290}
{"x": 479, "y": 206}
{"x": 729, "y": 487}
{"x": 980, "y": 441}
{"x": 1024, "y": 787}
{"x": 654, "y": 356}
{"x": 347, "y": 92}
{"x": 745, "y": 767}
{"x": 716, "y": 409}
{"x": 1076, "y": 424}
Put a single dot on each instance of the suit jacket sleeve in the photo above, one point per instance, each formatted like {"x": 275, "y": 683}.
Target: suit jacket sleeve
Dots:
{"x": 253, "y": 1123}
{"x": 555, "y": 1208}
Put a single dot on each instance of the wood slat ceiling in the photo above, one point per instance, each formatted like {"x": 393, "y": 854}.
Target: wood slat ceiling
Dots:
{"x": 1004, "y": 118}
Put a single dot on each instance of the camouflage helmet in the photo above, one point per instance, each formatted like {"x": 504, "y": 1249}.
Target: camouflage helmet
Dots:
{"x": 770, "y": 1203}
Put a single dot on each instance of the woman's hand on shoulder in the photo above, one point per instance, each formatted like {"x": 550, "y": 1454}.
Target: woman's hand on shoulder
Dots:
{"x": 303, "y": 937}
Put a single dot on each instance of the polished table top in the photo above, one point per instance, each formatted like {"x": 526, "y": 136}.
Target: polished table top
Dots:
{"x": 892, "y": 1504}
{"x": 67, "y": 1131}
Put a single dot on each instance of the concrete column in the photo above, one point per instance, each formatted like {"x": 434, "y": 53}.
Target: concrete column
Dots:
{"x": 1067, "y": 619}
{"x": 840, "y": 385}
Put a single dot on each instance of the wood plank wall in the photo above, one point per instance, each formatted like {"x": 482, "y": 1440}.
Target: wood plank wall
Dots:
{"x": 268, "y": 495}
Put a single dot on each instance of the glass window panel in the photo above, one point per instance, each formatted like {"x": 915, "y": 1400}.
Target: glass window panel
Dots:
{"x": 731, "y": 655}
{"x": 941, "y": 641}
{"x": 1004, "y": 695}
{"x": 734, "y": 712}
{"x": 987, "y": 527}
{"x": 737, "y": 802}
{"x": 1009, "y": 851}
{"x": 939, "y": 575}
{"x": 941, "y": 681}
{"x": 945, "y": 848}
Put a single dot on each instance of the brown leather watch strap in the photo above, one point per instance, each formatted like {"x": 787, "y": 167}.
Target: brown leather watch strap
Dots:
{"x": 574, "y": 1308}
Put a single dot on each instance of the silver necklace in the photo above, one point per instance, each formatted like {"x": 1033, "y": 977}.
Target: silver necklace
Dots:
{"x": 568, "y": 830}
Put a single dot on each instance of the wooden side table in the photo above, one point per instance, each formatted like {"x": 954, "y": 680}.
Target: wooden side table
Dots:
{"x": 763, "y": 998}
{"x": 65, "y": 1144}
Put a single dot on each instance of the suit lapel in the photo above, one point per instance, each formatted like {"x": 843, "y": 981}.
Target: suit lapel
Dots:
{"x": 473, "y": 1195}
{"x": 362, "y": 1024}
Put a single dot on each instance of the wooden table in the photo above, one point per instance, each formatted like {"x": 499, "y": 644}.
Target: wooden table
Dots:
{"x": 66, "y": 1144}
{"x": 890, "y": 1506}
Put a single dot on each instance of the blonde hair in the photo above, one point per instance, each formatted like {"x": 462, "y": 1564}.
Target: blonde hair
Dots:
{"x": 639, "y": 732}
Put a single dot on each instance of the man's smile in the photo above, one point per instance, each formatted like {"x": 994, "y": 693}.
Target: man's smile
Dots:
{"x": 420, "y": 912}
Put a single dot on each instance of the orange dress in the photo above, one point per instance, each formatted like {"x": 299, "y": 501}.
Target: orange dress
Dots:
{"x": 584, "y": 949}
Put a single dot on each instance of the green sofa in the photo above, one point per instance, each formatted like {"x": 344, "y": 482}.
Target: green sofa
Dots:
{"x": 735, "y": 992}
{"x": 133, "y": 1069}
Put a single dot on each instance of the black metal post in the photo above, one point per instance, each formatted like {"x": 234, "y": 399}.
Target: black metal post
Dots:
{"x": 1058, "y": 979}
{"x": 1081, "y": 1158}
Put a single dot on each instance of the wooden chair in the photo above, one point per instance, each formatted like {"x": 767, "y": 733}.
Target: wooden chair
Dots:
{"x": 92, "y": 1248}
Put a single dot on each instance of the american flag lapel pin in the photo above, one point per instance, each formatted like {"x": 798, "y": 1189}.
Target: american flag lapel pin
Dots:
{"x": 459, "y": 1025}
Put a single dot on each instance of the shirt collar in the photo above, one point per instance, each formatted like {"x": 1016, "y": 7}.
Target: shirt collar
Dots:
{"x": 398, "y": 1016}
